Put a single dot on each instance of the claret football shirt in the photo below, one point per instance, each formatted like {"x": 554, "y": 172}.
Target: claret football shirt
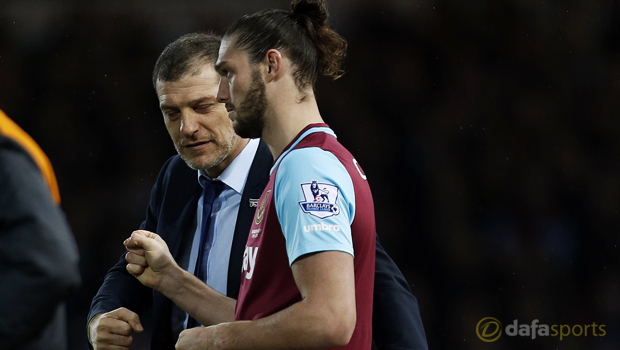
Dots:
{"x": 317, "y": 199}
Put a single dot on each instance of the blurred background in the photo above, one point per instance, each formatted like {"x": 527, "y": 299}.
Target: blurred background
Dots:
{"x": 489, "y": 131}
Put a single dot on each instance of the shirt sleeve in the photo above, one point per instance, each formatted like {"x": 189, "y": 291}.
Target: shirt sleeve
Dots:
{"x": 315, "y": 202}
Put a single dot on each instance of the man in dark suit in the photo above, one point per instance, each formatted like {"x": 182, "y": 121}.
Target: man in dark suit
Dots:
{"x": 38, "y": 255}
{"x": 186, "y": 84}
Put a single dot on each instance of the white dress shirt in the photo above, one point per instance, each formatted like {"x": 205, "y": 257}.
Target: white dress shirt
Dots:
{"x": 223, "y": 218}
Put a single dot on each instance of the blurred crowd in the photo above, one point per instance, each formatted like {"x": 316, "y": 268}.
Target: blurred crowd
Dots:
{"x": 486, "y": 129}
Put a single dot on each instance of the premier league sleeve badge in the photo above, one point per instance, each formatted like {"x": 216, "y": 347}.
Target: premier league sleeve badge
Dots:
{"x": 320, "y": 199}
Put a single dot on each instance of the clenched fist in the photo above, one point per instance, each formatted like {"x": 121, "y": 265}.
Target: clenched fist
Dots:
{"x": 112, "y": 330}
{"x": 149, "y": 258}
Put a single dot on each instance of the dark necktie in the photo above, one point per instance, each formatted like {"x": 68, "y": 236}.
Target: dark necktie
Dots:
{"x": 211, "y": 189}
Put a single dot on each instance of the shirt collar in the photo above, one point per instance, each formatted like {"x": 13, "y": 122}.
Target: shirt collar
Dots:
{"x": 309, "y": 129}
{"x": 236, "y": 173}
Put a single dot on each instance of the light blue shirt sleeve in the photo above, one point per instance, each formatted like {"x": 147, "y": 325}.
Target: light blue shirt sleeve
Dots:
{"x": 315, "y": 202}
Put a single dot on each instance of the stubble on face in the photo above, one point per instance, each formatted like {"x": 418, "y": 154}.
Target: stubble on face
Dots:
{"x": 250, "y": 114}
{"x": 211, "y": 157}
{"x": 191, "y": 99}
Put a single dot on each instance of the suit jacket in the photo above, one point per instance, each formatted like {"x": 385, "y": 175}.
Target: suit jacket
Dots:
{"x": 172, "y": 213}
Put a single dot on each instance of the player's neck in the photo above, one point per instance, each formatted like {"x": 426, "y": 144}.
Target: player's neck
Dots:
{"x": 286, "y": 119}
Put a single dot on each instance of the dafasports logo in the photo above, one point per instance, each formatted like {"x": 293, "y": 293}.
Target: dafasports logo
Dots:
{"x": 489, "y": 329}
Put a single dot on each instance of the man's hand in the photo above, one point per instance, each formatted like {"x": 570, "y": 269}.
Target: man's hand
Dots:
{"x": 202, "y": 338}
{"x": 112, "y": 330}
{"x": 150, "y": 261}
{"x": 149, "y": 258}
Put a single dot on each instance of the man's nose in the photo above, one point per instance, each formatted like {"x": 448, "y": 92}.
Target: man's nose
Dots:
{"x": 223, "y": 94}
{"x": 189, "y": 124}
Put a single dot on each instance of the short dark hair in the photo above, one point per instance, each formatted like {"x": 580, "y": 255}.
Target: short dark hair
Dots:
{"x": 302, "y": 33}
{"x": 184, "y": 54}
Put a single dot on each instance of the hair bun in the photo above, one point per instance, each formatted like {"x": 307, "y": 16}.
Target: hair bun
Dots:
{"x": 316, "y": 10}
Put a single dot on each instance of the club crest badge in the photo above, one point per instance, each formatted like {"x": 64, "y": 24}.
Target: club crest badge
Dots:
{"x": 261, "y": 210}
{"x": 320, "y": 199}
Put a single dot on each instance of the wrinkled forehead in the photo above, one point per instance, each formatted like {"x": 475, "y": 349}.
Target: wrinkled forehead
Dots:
{"x": 189, "y": 86}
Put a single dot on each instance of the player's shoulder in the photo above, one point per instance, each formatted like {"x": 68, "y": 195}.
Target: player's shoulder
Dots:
{"x": 328, "y": 142}
{"x": 324, "y": 140}
{"x": 310, "y": 159}
{"x": 303, "y": 166}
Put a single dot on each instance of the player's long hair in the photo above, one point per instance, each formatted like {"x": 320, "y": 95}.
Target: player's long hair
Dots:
{"x": 302, "y": 33}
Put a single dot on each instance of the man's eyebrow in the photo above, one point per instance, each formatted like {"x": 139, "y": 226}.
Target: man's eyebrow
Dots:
{"x": 165, "y": 106}
{"x": 201, "y": 100}
{"x": 190, "y": 103}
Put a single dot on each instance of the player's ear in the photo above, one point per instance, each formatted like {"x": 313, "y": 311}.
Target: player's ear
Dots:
{"x": 274, "y": 62}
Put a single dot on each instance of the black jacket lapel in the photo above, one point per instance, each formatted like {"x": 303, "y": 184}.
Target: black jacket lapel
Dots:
{"x": 176, "y": 218}
{"x": 256, "y": 182}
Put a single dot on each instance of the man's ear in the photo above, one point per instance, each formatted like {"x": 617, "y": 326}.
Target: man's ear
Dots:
{"x": 275, "y": 67}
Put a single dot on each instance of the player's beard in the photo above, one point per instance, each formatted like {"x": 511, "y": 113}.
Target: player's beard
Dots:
{"x": 250, "y": 118}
